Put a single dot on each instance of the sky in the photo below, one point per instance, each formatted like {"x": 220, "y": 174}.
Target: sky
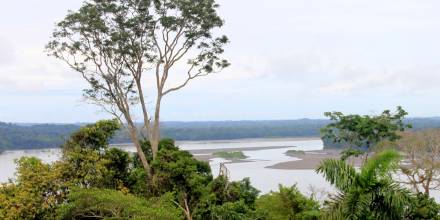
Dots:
{"x": 290, "y": 59}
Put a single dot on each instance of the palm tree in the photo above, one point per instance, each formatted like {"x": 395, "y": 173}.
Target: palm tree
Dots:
{"x": 368, "y": 193}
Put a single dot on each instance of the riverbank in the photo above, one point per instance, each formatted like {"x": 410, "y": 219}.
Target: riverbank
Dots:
{"x": 301, "y": 160}
{"x": 312, "y": 159}
{"x": 208, "y": 154}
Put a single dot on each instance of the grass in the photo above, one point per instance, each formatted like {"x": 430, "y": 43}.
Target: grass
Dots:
{"x": 294, "y": 152}
{"x": 230, "y": 155}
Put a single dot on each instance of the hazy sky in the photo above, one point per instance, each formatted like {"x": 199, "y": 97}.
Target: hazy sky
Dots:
{"x": 290, "y": 59}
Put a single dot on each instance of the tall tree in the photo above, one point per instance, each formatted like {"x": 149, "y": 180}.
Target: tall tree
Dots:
{"x": 364, "y": 131}
{"x": 123, "y": 48}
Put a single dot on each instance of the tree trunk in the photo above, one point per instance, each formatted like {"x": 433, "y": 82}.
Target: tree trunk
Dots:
{"x": 184, "y": 208}
{"x": 427, "y": 190}
{"x": 187, "y": 211}
{"x": 428, "y": 184}
{"x": 135, "y": 139}
{"x": 155, "y": 131}
{"x": 137, "y": 144}
{"x": 155, "y": 138}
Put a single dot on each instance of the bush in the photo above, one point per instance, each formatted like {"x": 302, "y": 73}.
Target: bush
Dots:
{"x": 88, "y": 161}
{"x": 287, "y": 203}
{"x": 164, "y": 144}
{"x": 423, "y": 207}
{"x": 118, "y": 167}
{"x": 36, "y": 193}
{"x": 106, "y": 204}
{"x": 228, "y": 200}
{"x": 94, "y": 136}
{"x": 178, "y": 172}
{"x": 232, "y": 211}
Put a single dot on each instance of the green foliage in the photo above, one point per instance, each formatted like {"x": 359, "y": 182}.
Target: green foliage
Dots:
{"x": 166, "y": 144}
{"x": 364, "y": 131}
{"x": 349, "y": 152}
{"x": 191, "y": 183}
{"x": 36, "y": 193}
{"x": 228, "y": 200}
{"x": 123, "y": 38}
{"x": 381, "y": 166}
{"x": 83, "y": 186}
{"x": 85, "y": 167}
{"x": 230, "y": 154}
{"x": 234, "y": 191}
{"x": 287, "y": 203}
{"x": 177, "y": 171}
{"x": 137, "y": 182}
{"x": 423, "y": 207}
{"x": 232, "y": 210}
{"x": 94, "y": 136}
{"x": 111, "y": 204}
{"x": 368, "y": 194}
{"x": 88, "y": 162}
{"x": 40, "y": 188}
{"x": 118, "y": 166}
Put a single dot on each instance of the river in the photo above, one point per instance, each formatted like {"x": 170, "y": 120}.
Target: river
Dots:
{"x": 261, "y": 153}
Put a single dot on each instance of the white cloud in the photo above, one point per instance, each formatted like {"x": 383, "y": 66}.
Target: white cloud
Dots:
{"x": 7, "y": 53}
{"x": 327, "y": 72}
{"x": 34, "y": 71}
{"x": 289, "y": 57}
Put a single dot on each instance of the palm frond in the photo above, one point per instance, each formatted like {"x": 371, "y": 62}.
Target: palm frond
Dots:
{"x": 357, "y": 204}
{"x": 338, "y": 173}
{"x": 391, "y": 200}
{"x": 334, "y": 209}
{"x": 379, "y": 165}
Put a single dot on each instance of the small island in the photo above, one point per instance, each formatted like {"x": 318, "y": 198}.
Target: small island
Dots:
{"x": 230, "y": 155}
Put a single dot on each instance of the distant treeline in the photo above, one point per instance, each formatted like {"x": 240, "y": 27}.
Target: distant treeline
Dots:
{"x": 33, "y": 136}
{"x": 14, "y": 136}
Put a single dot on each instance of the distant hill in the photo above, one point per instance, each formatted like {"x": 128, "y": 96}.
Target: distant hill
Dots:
{"x": 242, "y": 129}
{"x": 27, "y": 136}
{"x": 32, "y": 136}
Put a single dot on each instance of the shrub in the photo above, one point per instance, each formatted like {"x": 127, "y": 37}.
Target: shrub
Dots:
{"x": 36, "y": 193}
{"x": 423, "y": 207}
{"x": 106, "y": 204}
{"x": 287, "y": 203}
{"x": 178, "y": 172}
{"x": 228, "y": 200}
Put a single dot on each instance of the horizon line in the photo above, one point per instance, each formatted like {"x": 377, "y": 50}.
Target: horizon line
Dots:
{"x": 203, "y": 121}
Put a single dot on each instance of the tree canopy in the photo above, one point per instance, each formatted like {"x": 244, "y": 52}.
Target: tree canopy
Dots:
{"x": 123, "y": 48}
{"x": 364, "y": 131}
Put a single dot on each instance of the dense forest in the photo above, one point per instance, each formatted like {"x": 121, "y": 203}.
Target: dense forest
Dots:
{"x": 95, "y": 181}
{"x": 30, "y": 136}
